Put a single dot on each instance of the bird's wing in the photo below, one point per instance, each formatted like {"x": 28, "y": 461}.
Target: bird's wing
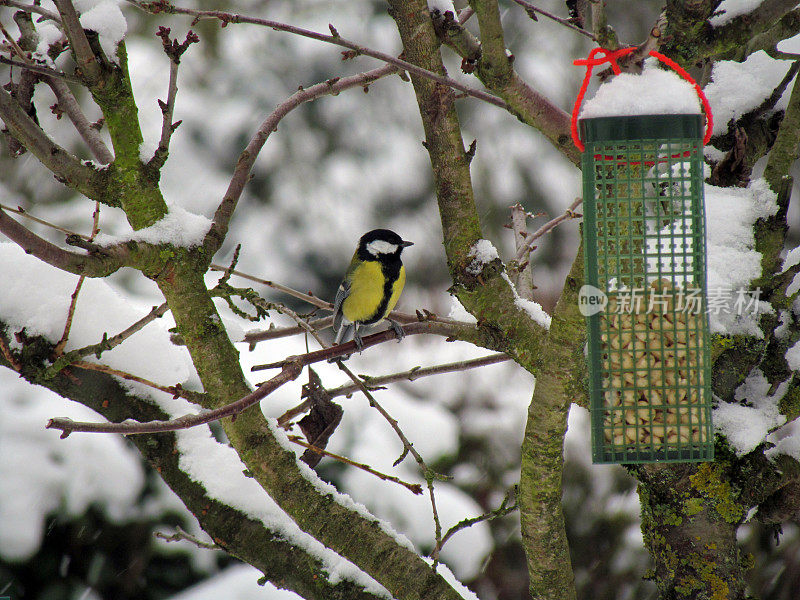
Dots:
{"x": 341, "y": 294}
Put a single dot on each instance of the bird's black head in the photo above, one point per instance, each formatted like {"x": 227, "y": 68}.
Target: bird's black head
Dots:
{"x": 381, "y": 243}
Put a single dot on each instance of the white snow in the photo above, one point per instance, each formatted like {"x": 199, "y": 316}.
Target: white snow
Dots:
{"x": 147, "y": 149}
{"x": 533, "y": 309}
{"x": 728, "y": 9}
{"x": 791, "y": 45}
{"x": 178, "y": 227}
{"x": 746, "y": 427}
{"x": 789, "y": 445}
{"x": 793, "y": 357}
{"x": 442, "y": 5}
{"x": 732, "y": 259}
{"x": 239, "y": 582}
{"x": 41, "y": 474}
{"x": 738, "y": 87}
{"x": 459, "y": 313}
{"x": 655, "y": 91}
{"x": 106, "y": 19}
{"x": 48, "y": 35}
{"x": 37, "y": 297}
{"x": 482, "y": 253}
{"x": 219, "y": 470}
{"x": 792, "y": 258}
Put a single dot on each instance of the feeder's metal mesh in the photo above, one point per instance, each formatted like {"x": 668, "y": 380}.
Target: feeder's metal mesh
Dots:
{"x": 645, "y": 249}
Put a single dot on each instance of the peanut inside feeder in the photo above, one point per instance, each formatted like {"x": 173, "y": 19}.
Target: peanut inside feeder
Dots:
{"x": 653, "y": 373}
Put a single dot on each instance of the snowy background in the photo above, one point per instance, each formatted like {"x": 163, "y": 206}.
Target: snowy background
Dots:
{"x": 77, "y": 513}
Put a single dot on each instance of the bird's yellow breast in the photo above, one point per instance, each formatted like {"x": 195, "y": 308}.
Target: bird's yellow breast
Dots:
{"x": 369, "y": 299}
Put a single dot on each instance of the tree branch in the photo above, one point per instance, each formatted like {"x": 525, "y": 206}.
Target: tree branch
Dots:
{"x": 69, "y": 104}
{"x": 497, "y": 74}
{"x": 29, "y": 66}
{"x": 247, "y": 158}
{"x": 419, "y": 372}
{"x": 464, "y": 332}
{"x": 105, "y": 344}
{"x": 540, "y": 488}
{"x": 67, "y": 426}
{"x": 285, "y": 562}
{"x": 66, "y": 167}
{"x": 79, "y": 264}
{"x": 532, "y": 10}
{"x": 785, "y": 150}
{"x": 32, "y": 9}
{"x": 333, "y": 38}
{"x": 500, "y": 511}
{"x": 570, "y": 213}
{"x": 89, "y": 68}
{"x": 414, "y": 488}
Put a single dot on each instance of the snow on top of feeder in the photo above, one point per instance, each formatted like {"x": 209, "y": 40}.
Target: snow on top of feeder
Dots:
{"x": 656, "y": 91}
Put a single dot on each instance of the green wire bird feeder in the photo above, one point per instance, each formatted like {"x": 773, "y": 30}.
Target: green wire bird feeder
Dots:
{"x": 645, "y": 295}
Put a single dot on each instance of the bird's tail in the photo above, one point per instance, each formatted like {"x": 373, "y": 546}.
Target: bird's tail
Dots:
{"x": 343, "y": 332}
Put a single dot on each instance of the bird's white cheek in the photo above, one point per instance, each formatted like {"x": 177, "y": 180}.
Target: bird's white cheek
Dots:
{"x": 381, "y": 247}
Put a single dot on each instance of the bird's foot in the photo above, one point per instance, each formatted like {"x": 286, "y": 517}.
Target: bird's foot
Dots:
{"x": 398, "y": 331}
{"x": 357, "y": 340}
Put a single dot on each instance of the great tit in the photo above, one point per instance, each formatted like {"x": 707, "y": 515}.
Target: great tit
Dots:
{"x": 371, "y": 286}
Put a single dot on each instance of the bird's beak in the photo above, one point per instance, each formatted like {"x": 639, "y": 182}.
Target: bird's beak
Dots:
{"x": 406, "y": 244}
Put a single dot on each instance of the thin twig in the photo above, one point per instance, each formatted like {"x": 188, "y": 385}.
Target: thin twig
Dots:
{"x": 413, "y": 487}
{"x": 408, "y": 448}
{"x": 530, "y": 8}
{"x": 523, "y": 274}
{"x": 106, "y": 343}
{"x": 64, "y": 165}
{"x": 38, "y": 69}
{"x": 604, "y": 34}
{"x": 400, "y": 317}
{"x": 180, "y": 535}
{"x": 168, "y": 108}
{"x": 72, "y": 262}
{"x": 174, "y": 50}
{"x": 129, "y": 427}
{"x": 318, "y": 302}
{"x": 30, "y": 217}
{"x": 247, "y": 158}
{"x": 500, "y": 511}
{"x": 333, "y": 38}
{"x": 274, "y": 333}
{"x": 173, "y": 390}
{"x": 348, "y": 348}
{"x": 301, "y": 322}
{"x": 12, "y": 42}
{"x": 568, "y": 214}
{"x": 419, "y": 372}
{"x": 33, "y": 9}
{"x": 59, "y": 347}
{"x": 374, "y": 383}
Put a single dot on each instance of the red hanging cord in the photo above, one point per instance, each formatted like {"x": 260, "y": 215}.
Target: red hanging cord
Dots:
{"x": 611, "y": 56}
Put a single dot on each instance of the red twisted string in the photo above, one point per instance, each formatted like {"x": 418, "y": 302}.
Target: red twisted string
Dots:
{"x": 611, "y": 56}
